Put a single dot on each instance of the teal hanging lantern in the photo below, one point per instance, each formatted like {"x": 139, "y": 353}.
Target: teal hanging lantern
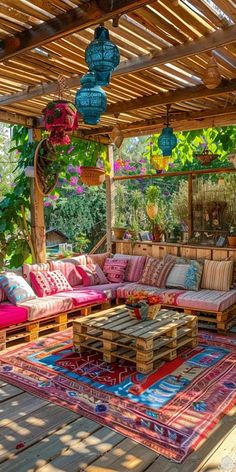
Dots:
{"x": 167, "y": 139}
{"x": 102, "y": 56}
{"x": 90, "y": 100}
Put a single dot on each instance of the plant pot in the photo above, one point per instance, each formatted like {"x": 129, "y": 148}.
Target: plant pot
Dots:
{"x": 92, "y": 175}
{"x": 232, "y": 241}
{"x": 156, "y": 234}
{"x": 119, "y": 232}
{"x": 206, "y": 157}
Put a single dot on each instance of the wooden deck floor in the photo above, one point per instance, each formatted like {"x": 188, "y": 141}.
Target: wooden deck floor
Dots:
{"x": 38, "y": 435}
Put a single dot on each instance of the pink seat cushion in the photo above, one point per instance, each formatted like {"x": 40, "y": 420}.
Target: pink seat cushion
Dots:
{"x": 11, "y": 315}
{"x": 84, "y": 296}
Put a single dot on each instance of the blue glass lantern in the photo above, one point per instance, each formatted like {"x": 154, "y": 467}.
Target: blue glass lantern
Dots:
{"x": 90, "y": 100}
{"x": 102, "y": 56}
{"x": 167, "y": 141}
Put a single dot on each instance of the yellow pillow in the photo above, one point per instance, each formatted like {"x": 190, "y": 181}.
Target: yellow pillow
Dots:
{"x": 217, "y": 275}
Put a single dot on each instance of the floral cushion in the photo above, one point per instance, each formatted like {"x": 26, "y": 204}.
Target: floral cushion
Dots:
{"x": 134, "y": 268}
{"x": 16, "y": 288}
{"x": 156, "y": 272}
{"x": 217, "y": 275}
{"x": 92, "y": 274}
{"x": 49, "y": 283}
{"x": 69, "y": 271}
{"x": 114, "y": 270}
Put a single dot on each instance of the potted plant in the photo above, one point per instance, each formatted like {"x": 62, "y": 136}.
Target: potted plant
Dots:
{"x": 232, "y": 237}
{"x": 152, "y": 195}
{"x": 119, "y": 227}
{"x": 93, "y": 165}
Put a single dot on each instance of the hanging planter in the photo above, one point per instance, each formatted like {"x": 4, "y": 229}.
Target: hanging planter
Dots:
{"x": 60, "y": 117}
{"x": 92, "y": 175}
{"x": 46, "y": 171}
{"x": 102, "y": 56}
{"x": 90, "y": 100}
{"x": 206, "y": 157}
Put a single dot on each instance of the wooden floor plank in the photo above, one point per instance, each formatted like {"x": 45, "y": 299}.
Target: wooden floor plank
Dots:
{"x": 41, "y": 423}
{"x": 78, "y": 457}
{"x": 17, "y": 407}
{"x": 127, "y": 456}
{"x": 8, "y": 391}
{"x": 47, "y": 450}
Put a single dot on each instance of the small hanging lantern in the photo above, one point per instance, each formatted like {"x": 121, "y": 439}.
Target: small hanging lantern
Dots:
{"x": 102, "y": 56}
{"x": 212, "y": 77}
{"x": 167, "y": 139}
{"x": 90, "y": 100}
{"x": 117, "y": 135}
{"x": 60, "y": 117}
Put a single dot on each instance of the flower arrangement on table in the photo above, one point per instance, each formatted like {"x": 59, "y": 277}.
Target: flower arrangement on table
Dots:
{"x": 143, "y": 306}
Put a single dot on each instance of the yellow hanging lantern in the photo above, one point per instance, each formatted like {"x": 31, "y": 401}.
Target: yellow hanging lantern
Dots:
{"x": 212, "y": 77}
{"x": 160, "y": 163}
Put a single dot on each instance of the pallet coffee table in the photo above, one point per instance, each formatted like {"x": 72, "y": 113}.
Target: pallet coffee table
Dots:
{"x": 145, "y": 343}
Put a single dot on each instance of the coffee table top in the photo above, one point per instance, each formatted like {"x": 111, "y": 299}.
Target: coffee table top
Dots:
{"x": 117, "y": 320}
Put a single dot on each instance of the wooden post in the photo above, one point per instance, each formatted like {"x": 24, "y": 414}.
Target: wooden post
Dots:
{"x": 37, "y": 215}
{"x": 190, "y": 206}
{"x": 110, "y": 193}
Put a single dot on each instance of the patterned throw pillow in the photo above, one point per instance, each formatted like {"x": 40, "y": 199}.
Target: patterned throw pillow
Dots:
{"x": 114, "y": 269}
{"x": 194, "y": 275}
{"x": 98, "y": 259}
{"x": 134, "y": 268}
{"x": 92, "y": 274}
{"x": 49, "y": 283}
{"x": 69, "y": 270}
{"x": 177, "y": 276}
{"x": 16, "y": 288}
{"x": 27, "y": 268}
{"x": 217, "y": 275}
{"x": 156, "y": 272}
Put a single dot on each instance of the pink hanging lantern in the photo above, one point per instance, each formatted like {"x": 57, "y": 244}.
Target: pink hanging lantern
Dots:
{"x": 60, "y": 117}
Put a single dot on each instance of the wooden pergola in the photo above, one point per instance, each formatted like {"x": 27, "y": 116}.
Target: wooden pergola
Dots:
{"x": 165, "y": 48}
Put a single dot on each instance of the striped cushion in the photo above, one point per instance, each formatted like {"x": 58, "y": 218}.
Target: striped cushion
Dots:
{"x": 156, "y": 272}
{"x": 27, "y": 268}
{"x": 214, "y": 300}
{"x": 3, "y": 296}
{"x": 217, "y": 275}
{"x": 134, "y": 268}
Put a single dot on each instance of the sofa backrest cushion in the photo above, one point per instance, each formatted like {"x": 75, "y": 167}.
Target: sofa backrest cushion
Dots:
{"x": 77, "y": 260}
{"x": 16, "y": 288}
{"x": 217, "y": 275}
{"x": 156, "y": 272}
{"x": 49, "y": 282}
{"x": 177, "y": 276}
{"x": 114, "y": 270}
{"x": 69, "y": 271}
{"x": 97, "y": 259}
{"x": 3, "y": 296}
{"x": 92, "y": 274}
{"x": 27, "y": 268}
{"x": 134, "y": 268}
{"x": 185, "y": 275}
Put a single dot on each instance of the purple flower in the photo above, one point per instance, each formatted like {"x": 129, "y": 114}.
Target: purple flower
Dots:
{"x": 142, "y": 160}
{"x": 116, "y": 167}
{"x": 47, "y": 204}
{"x": 70, "y": 149}
{"x": 171, "y": 165}
{"x": 70, "y": 168}
{"x": 79, "y": 189}
{"x": 73, "y": 181}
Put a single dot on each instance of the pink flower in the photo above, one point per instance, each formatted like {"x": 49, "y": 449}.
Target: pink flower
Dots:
{"x": 47, "y": 204}
{"x": 71, "y": 149}
{"x": 79, "y": 189}
{"x": 73, "y": 181}
{"x": 78, "y": 170}
{"x": 143, "y": 170}
{"x": 53, "y": 197}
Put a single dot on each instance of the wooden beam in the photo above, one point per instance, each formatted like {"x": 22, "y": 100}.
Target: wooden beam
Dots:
{"x": 219, "y": 170}
{"x": 176, "y": 96}
{"x": 110, "y": 193}
{"x": 214, "y": 40}
{"x": 190, "y": 206}
{"x": 15, "y": 119}
{"x": 84, "y": 16}
{"x": 175, "y": 117}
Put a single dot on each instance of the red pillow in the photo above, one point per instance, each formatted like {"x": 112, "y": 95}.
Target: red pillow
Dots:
{"x": 92, "y": 274}
{"x": 114, "y": 269}
{"x": 49, "y": 283}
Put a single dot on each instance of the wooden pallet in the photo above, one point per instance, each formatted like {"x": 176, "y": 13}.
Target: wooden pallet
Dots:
{"x": 32, "y": 330}
{"x": 221, "y": 321}
{"x": 116, "y": 335}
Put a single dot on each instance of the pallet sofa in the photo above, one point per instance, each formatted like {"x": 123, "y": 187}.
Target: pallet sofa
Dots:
{"x": 33, "y": 318}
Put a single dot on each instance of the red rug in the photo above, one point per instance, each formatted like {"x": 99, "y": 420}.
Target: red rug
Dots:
{"x": 171, "y": 410}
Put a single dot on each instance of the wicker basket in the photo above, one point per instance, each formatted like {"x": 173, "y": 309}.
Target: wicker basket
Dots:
{"x": 206, "y": 157}
{"x": 153, "y": 311}
{"x": 92, "y": 175}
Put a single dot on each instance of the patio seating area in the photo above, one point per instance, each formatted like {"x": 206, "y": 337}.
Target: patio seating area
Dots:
{"x": 121, "y": 357}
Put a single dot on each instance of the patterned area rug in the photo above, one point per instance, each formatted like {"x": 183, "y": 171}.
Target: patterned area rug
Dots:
{"x": 170, "y": 410}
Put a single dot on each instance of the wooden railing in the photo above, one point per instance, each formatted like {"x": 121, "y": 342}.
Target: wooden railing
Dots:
{"x": 99, "y": 244}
